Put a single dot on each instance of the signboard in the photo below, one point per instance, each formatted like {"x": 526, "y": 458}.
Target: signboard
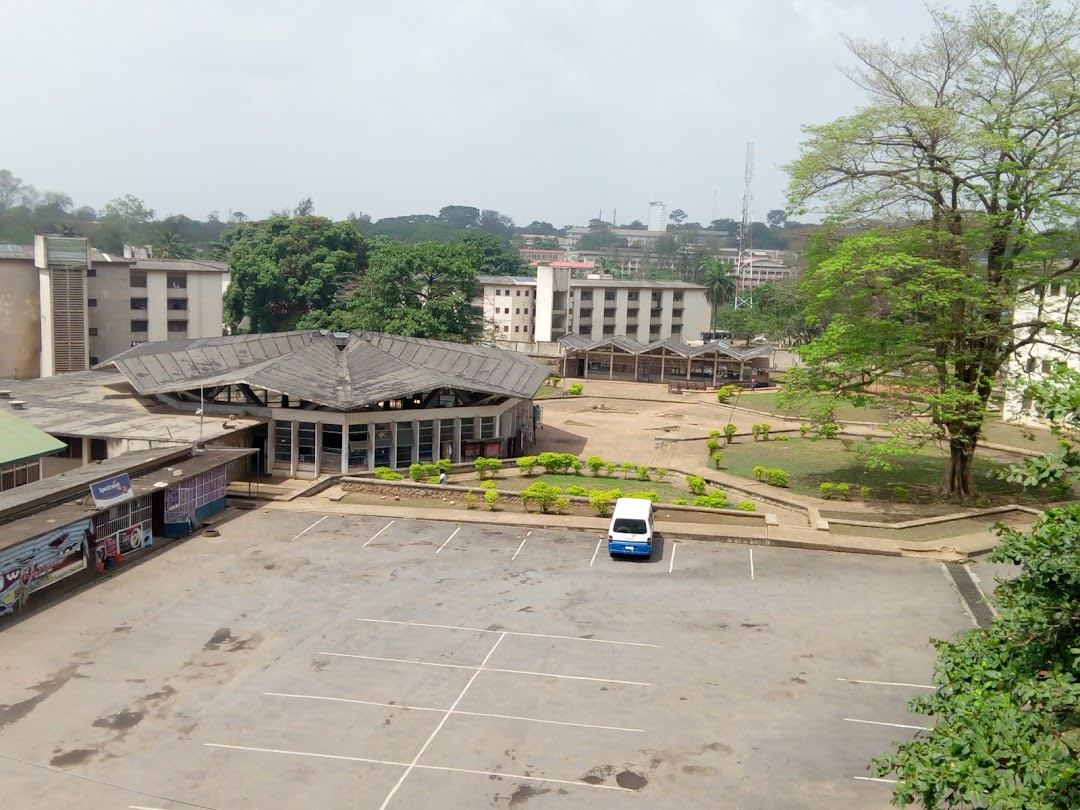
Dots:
{"x": 32, "y": 566}
{"x": 112, "y": 491}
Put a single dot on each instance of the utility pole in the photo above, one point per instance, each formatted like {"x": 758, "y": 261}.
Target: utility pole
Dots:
{"x": 744, "y": 289}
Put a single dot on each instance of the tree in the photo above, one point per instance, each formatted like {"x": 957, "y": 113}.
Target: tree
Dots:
{"x": 1057, "y": 398}
{"x": 417, "y": 289}
{"x": 609, "y": 266}
{"x": 1006, "y": 730}
{"x": 304, "y": 208}
{"x": 56, "y": 201}
{"x": 542, "y": 229}
{"x": 169, "y": 245}
{"x": 10, "y": 187}
{"x": 284, "y": 268}
{"x": 495, "y": 260}
{"x": 128, "y": 209}
{"x": 636, "y": 225}
{"x": 716, "y": 276}
{"x": 776, "y": 218}
{"x": 677, "y": 217}
{"x": 238, "y": 217}
{"x": 84, "y": 213}
{"x": 600, "y": 237}
{"x": 970, "y": 139}
{"x": 462, "y": 217}
{"x": 495, "y": 223}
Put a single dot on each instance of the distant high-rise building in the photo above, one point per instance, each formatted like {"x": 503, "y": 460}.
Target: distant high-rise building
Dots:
{"x": 657, "y": 216}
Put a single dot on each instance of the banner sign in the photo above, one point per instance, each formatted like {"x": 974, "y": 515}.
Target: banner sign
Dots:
{"x": 112, "y": 491}
{"x": 35, "y": 565}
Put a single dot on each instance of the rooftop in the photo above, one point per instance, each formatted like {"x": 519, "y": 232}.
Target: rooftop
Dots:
{"x": 671, "y": 345}
{"x": 181, "y": 265}
{"x": 21, "y": 441}
{"x": 343, "y": 371}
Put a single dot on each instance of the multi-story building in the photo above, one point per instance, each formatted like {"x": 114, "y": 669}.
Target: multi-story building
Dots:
{"x": 657, "y": 216}
{"x": 65, "y": 306}
{"x": 545, "y": 308}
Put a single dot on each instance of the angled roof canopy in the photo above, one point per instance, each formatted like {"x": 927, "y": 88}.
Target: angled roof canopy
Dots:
{"x": 21, "y": 441}
{"x": 339, "y": 370}
{"x": 580, "y": 343}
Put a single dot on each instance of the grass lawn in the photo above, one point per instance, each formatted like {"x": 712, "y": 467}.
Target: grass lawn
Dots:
{"x": 765, "y": 402}
{"x": 671, "y": 487}
{"x": 814, "y": 462}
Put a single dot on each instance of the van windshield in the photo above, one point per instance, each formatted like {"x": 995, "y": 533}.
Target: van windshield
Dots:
{"x": 629, "y": 526}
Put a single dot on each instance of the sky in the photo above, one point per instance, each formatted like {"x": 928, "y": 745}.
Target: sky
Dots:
{"x": 554, "y": 110}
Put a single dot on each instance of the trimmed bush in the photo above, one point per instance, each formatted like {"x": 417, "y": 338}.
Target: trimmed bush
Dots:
{"x": 609, "y": 468}
{"x": 491, "y": 497}
{"x": 601, "y": 501}
{"x": 471, "y": 499}
{"x": 781, "y": 438}
{"x": 556, "y": 462}
{"x": 696, "y": 484}
{"x": 527, "y": 464}
{"x": 561, "y": 505}
{"x": 574, "y": 489}
{"x": 827, "y": 490}
{"x": 725, "y": 392}
{"x": 386, "y": 474}
{"x": 864, "y": 493}
{"x": 576, "y": 466}
{"x": 828, "y": 430}
{"x": 643, "y": 473}
{"x": 661, "y": 472}
{"x": 679, "y": 502}
{"x": 761, "y": 431}
{"x": 714, "y": 500}
{"x": 626, "y": 467}
{"x": 804, "y": 429}
{"x": 717, "y": 457}
{"x": 711, "y": 446}
{"x": 488, "y": 484}
{"x": 729, "y": 432}
{"x": 444, "y": 465}
{"x": 759, "y": 471}
{"x": 553, "y": 380}
{"x": 714, "y": 434}
{"x": 902, "y": 494}
{"x": 595, "y": 465}
{"x": 542, "y": 494}
{"x": 843, "y": 491}
{"x": 487, "y": 467}
{"x": 575, "y": 390}
{"x": 416, "y": 472}
{"x": 434, "y": 480}
{"x": 746, "y": 506}
{"x": 647, "y": 496}
{"x": 777, "y": 477}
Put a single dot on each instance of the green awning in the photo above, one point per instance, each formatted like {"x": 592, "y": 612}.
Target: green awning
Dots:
{"x": 20, "y": 441}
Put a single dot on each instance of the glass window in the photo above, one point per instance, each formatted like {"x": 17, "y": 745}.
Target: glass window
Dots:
{"x": 609, "y": 295}
{"x": 138, "y": 303}
{"x": 487, "y": 427}
{"x": 93, "y": 331}
{"x": 498, "y": 292}
{"x": 91, "y": 272}
{"x": 178, "y": 304}
{"x": 427, "y": 442}
{"x": 609, "y": 312}
{"x": 404, "y": 444}
{"x": 468, "y": 427}
{"x": 177, "y": 326}
{"x": 283, "y": 442}
{"x": 139, "y": 326}
{"x": 176, "y": 281}
{"x": 384, "y": 441}
{"x": 91, "y": 302}
{"x": 138, "y": 278}
{"x": 446, "y": 430}
{"x": 358, "y": 451}
{"x": 305, "y": 442}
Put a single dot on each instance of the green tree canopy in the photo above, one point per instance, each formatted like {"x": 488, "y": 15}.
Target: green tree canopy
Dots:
{"x": 420, "y": 289}
{"x": 1006, "y": 728}
{"x": 462, "y": 217}
{"x": 284, "y": 268}
{"x": 716, "y": 275}
{"x": 968, "y": 147}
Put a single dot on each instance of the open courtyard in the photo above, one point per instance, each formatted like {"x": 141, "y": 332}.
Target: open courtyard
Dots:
{"x": 308, "y": 660}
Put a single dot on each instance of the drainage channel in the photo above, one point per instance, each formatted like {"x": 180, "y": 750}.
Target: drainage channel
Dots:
{"x": 971, "y": 594}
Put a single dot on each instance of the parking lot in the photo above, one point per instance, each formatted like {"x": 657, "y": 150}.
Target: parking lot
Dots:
{"x": 305, "y": 660}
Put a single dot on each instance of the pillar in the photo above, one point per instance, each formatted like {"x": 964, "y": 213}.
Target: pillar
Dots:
{"x": 456, "y": 453}
{"x": 611, "y": 365}
{"x": 85, "y": 450}
{"x": 294, "y": 445}
{"x": 318, "y": 448}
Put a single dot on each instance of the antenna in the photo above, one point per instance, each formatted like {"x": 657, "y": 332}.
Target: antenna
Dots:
{"x": 744, "y": 287}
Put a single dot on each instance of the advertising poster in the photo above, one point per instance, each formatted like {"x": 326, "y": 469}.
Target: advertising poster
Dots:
{"x": 48, "y": 559}
{"x": 112, "y": 491}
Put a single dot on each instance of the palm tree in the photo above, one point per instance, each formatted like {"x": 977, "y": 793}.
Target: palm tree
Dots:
{"x": 718, "y": 279}
{"x": 607, "y": 265}
{"x": 169, "y": 245}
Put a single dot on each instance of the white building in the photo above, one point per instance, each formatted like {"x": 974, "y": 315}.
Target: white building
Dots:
{"x": 543, "y": 309}
{"x": 657, "y": 216}
{"x": 1052, "y": 304}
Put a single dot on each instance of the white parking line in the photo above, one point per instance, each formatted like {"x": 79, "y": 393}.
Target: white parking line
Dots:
{"x": 499, "y": 774}
{"x": 380, "y": 531}
{"x": 671, "y": 566}
{"x": 458, "y": 711}
{"x": 751, "y": 564}
{"x": 309, "y": 528}
{"x": 888, "y": 683}
{"x": 893, "y": 725}
{"x": 596, "y": 551}
{"x": 519, "y": 548}
{"x": 448, "y": 539}
{"x": 875, "y": 779}
{"x": 509, "y": 632}
{"x": 486, "y": 669}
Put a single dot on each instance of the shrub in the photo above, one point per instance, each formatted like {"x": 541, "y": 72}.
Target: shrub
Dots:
{"x": 487, "y": 467}
{"x": 562, "y": 504}
{"x": 759, "y": 471}
{"x": 729, "y": 432}
{"x": 777, "y": 477}
{"x": 471, "y": 499}
{"x": 615, "y": 493}
{"x": 746, "y": 506}
{"x": 610, "y": 467}
{"x": 901, "y": 494}
{"x": 843, "y": 491}
{"x": 386, "y": 474}
{"x": 444, "y": 465}
{"x": 661, "y": 472}
{"x": 574, "y": 489}
{"x": 781, "y": 438}
{"x": 827, "y": 490}
{"x": 601, "y": 502}
{"x": 595, "y": 465}
{"x": 714, "y": 434}
{"x": 804, "y": 429}
{"x": 542, "y": 494}
{"x": 556, "y": 462}
{"x": 696, "y": 484}
{"x": 679, "y": 501}
{"x": 648, "y": 496}
{"x": 864, "y": 493}
{"x": 711, "y": 446}
{"x": 433, "y": 479}
{"x": 725, "y": 392}
{"x": 416, "y": 472}
{"x": 487, "y": 484}
{"x": 714, "y": 500}
{"x": 554, "y": 380}
{"x": 761, "y": 430}
{"x": 643, "y": 473}
{"x": 527, "y": 464}
{"x": 626, "y": 467}
{"x": 717, "y": 457}
{"x": 576, "y": 466}
{"x": 828, "y": 430}
{"x": 491, "y": 497}
{"x": 575, "y": 390}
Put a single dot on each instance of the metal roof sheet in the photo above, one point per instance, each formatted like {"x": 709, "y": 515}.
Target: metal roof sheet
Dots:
{"x": 21, "y": 441}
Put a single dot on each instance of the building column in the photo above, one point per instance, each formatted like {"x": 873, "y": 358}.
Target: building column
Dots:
{"x": 294, "y": 443}
{"x": 663, "y": 355}
{"x": 393, "y": 446}
{"x": 271, "y": 449}
{"x": 611, "y": 365}
{"x": 637, "y": 359}
{"x": 742, "y": 370}
{"x": 586, "y": 365}
{"x": 345, "y": 449}
{"x": 436, "y": 440}
{"x": 86, "y": 450}
{"x": 371, "y": 446}
{"x": 415, "y": 441}
{"x": 456, "y": 451}
{"x": 688, "y": 364}
{"x": 318, "y": 449}
{"x": 715, "y": 366}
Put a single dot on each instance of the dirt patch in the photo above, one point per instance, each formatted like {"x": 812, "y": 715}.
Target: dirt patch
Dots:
{"x": 14, "y": 712}
{"x": 524, "y": 793}
{"x": 631, "y": 780}
{"x": 76, "y": 756}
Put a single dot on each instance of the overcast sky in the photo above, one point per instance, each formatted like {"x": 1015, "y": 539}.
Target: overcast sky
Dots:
{"x": 542, "y": 109}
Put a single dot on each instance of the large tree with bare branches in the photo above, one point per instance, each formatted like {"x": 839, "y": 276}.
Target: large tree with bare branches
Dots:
{"x": 967, "y": 157}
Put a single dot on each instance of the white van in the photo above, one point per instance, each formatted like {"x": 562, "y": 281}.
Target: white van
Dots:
{"x": 631, "y": 530}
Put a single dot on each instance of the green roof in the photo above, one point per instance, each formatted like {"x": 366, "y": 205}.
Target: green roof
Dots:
{"x": 20, "y": 441}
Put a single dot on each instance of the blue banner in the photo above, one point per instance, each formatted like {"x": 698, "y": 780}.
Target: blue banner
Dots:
{"x": 112, "y": 491}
